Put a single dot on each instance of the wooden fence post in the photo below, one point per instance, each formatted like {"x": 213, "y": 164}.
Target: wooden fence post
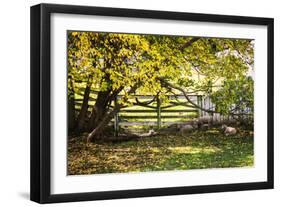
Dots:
{"x": 199, "y": 104}
{"x": 116, "y": 121}
{"x": 158, "y": 113}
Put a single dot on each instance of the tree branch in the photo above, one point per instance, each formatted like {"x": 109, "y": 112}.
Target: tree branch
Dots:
{"x": 189, "y": 43}
{"x": 165, "y": 82}
{"x": 186, "y": 96}
{"x": 146, "y": 102}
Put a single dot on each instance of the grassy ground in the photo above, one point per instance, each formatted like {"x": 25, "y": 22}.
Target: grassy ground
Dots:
{"x": 201, "y": 149}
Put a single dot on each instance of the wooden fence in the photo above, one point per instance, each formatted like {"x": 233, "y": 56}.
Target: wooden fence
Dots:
{"x": 156, "y": 114}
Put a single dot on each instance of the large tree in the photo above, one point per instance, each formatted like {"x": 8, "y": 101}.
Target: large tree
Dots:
{"x": 127, "y": 64}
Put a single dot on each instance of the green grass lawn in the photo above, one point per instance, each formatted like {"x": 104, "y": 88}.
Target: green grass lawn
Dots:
{"x": 199, "y": 150}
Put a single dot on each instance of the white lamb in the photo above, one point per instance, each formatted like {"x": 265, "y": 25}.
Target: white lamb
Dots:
{"x": 151, "y": 132}
{"x": 228, "y": 130}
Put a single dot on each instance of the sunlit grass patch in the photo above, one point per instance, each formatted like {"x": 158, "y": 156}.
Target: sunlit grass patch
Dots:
{"x": 193, "y": 150}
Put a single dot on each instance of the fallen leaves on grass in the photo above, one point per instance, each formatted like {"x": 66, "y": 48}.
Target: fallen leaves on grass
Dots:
{"x": 208, "y": 149}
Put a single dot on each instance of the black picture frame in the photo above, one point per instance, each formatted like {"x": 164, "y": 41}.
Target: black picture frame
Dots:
{"x": 41, "y": 96}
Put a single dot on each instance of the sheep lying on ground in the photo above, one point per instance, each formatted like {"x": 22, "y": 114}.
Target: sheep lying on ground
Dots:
{"x": 216, "y": 120}
{"x": 151, "y": 132}
{"x": 204, "y": 122}
{"x": 185, "y": 129}
{"x": 205, "y": 127}
{"x": 228, "y": 130}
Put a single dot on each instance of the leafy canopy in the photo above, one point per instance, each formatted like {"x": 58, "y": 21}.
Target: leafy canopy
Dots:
{"x": 218, "y": 67}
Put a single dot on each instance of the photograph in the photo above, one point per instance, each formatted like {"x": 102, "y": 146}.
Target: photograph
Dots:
{"x": 141, "y": 103}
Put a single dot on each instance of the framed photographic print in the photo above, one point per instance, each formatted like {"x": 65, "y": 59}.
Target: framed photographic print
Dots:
{"x": 133, "y": 103}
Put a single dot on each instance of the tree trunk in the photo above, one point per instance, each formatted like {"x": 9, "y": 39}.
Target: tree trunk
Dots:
{"x": 81, "y": 120}
{"x": 71, "y": 106}
{"x": 98, "y": 130}
{"x": 99, "y": 109}
{"x": 101, "y": 115}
